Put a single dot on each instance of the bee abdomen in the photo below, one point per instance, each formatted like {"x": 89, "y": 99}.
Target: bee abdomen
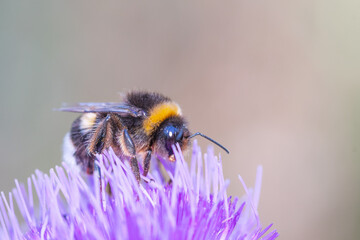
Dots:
{"x": 81, "y": 132}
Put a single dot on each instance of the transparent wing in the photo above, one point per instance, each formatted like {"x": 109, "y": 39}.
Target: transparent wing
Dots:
{"x": 89, "y": 107}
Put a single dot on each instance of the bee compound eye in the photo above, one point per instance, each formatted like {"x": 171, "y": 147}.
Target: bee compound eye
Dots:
{"x": 180, "y": 135}
{"x": 170, "y": 132}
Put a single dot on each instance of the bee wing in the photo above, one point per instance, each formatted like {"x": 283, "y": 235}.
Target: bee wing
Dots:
{"x": 95, "y": 107}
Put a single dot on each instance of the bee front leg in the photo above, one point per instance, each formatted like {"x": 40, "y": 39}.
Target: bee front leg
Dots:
{"x": 146, "y": 162}
{"x": 130, "y": 150}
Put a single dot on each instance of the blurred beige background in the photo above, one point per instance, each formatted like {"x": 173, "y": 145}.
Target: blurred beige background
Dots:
{"x": 276, "y": 82}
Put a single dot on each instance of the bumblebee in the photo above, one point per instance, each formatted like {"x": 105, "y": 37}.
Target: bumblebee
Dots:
{"x": 143, "y": 125}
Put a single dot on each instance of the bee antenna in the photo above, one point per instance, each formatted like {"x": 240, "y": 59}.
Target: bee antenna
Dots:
{"x": 211, "y": 140}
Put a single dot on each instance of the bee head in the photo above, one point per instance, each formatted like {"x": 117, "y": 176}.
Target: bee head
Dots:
{"x": 172, "y": 131}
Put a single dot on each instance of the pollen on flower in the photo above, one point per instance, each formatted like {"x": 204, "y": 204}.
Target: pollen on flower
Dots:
{"x": 65, "y": 205}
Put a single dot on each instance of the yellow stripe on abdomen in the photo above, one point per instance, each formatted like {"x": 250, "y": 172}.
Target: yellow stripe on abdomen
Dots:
{"x": 87, "y": 121}
{"x": 160, "y": 113}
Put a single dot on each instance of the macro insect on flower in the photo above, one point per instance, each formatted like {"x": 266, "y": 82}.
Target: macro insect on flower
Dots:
{"x": 144, "y": 124}
{"x": 65, "y": 204}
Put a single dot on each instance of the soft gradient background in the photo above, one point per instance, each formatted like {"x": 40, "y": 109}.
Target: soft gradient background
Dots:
{"x": 277, "y": 82}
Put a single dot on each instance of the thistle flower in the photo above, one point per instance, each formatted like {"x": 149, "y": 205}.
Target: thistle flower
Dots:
{"x": 194, "y": 205}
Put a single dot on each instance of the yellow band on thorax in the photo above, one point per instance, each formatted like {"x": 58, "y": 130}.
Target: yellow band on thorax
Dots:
{"x": 160, "y": 113}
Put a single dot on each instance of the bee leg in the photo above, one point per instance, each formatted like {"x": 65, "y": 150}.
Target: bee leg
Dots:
{"x": 131, "y": 151}
{"x": 100, "y": 137}
{"x": 101, "y": 192}
{"x": 146, "y": 162}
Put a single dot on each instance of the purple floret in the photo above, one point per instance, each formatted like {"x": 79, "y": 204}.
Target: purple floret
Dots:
{"x": 194, "y": 204}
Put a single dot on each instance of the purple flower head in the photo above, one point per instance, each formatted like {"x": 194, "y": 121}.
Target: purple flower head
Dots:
{"x": 194, "y": 205}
